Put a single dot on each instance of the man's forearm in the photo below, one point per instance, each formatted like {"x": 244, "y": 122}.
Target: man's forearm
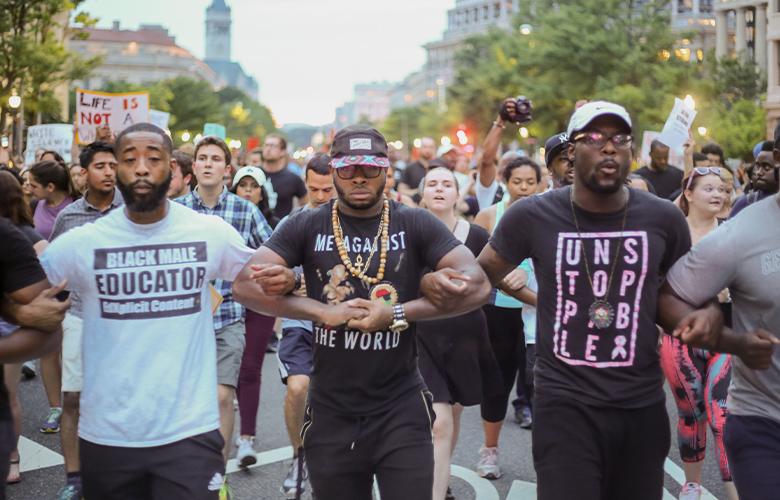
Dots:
{"x": 27, "y": 315}
{"x": 251, "y": 296}
{"x": 26, "y": 343}
{"x": 476, "y": 295}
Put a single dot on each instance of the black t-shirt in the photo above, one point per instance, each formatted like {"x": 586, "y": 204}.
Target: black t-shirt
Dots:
{"x": 287, "y": 186}
{"x": 613, "y": 367}
{"x": 665, "y": 182}
{"x": 356, "y": 373}
{"x": 19, "y": 268}
{"x": 413, "y": 174}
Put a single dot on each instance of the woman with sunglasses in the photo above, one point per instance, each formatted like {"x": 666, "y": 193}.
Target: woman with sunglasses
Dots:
{"x": 699, "y": 378}
{"x": 455, "y": 357}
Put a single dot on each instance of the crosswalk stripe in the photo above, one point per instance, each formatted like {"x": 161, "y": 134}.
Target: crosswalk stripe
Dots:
{"x": 678, "y": 475}
{"x": 34, "y": 456}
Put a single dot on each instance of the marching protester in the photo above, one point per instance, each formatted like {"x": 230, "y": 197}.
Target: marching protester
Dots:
{"x": 101, "y": 197}
{"x": 210, "y": 162}
{"x": 455, "y": 356}
{"x": 350, "y": 249}
{"x": 599, "y": 251}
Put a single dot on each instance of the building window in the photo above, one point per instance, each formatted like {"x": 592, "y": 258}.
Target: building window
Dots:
{"x": 497, "y": 10}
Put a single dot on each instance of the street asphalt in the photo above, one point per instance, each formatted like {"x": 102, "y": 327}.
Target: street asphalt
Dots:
{"x": 263, "y": 482}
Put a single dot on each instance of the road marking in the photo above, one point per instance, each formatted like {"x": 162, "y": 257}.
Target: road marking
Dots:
{"x": 678, "y": 475}
{"x": 35, "y": 456}
{"x": 522, "y": 490}
{"x": 482, "y": 487}
{"x": 263, "y": 458}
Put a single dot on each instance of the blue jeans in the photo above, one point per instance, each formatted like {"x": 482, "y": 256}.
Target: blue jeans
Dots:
{"x": 753, "y": 448}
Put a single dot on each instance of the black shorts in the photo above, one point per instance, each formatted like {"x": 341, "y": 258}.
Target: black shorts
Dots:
{"x": 592, "y": 453}
{"x": 190, "y": 469}
{"x": 295, "y": 352}
{"x": 343, "y": 453}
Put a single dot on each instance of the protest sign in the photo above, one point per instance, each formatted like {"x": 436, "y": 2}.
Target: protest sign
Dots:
{"x": 677, "y": 126}
{"x": 54, "y": 136}
{"x": 118, "y": 111}
{"x": 159, "y": 118}
{"x": 214, "y": 129}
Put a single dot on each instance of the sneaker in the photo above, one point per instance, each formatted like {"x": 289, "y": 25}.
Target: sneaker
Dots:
{"x": 69, "y": 492}
{"x": 28, "y": 370}
{"x": 290, "y": 484}
{"x": 487, "y": 467}
{"x": 690, "y": 491}
{"x": 52, "y": 423}
{"x": 246, "y": 455}
{"x": 526, "y": 418}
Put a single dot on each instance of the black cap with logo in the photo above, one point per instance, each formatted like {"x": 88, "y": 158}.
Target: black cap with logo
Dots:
{"x": 359, "y": 145}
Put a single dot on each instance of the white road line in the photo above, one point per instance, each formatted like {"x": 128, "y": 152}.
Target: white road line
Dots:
{"x": 482, "y": 487}
{"x": 678, "y": 475}
{"x": 35, "y": 456}
{"x": 522, "y": 490}
{"x": 263, "y": 458}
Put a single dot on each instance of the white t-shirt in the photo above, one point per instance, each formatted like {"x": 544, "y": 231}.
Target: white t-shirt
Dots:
{"x": 148, "y": 348}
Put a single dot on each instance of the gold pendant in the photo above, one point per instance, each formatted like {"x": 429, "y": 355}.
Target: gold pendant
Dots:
{"x": 359, "y": 264}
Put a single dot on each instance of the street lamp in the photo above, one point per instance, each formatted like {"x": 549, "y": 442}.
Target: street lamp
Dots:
{"x": 702, "y": 131}
{"x": 185, "y": 136}
{"x": 525, "y": 29}
{"x": 15, "y": 103}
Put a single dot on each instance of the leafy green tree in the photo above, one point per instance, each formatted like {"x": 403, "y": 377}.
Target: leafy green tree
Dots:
{"x": 243, "y": 116}
{"x": 621, "y": 50}
{"x": 34, "y": 58}
{"x": 192, "y": 104}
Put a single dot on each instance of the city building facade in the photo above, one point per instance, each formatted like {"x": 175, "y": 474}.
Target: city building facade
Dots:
{"x": 218, "y": 50}
{"x": 145, "y": 55}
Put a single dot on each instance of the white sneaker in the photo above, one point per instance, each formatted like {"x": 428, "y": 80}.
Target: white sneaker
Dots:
{"x": 290, "y": 484}
{"x": 487, "y": 466}
{"x": 246, "y": 453}
{"x": 690, "y": 491}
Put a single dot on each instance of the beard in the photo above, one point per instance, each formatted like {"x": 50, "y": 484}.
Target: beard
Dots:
{"x": 148, "y": 202}
{"x": 363, "y": 204}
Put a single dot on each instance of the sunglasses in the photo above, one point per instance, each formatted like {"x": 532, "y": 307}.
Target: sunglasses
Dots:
{"x": 599, "y": 140}
{"x": 349, "y": 171}
{"x": 699, "y": 171}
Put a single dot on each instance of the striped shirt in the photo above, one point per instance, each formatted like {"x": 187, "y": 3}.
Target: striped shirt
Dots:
{"x": 247, "y": 219}
{"x": 77, "y": 214}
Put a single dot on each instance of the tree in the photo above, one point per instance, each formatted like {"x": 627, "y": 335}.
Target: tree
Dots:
{"x": 33, "y": 56}
{"x": 621, "y": 50}
{"x": 243, "y": 116}
{"x": 193, "y": 103}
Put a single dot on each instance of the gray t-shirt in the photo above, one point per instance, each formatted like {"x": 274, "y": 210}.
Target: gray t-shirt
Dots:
{"x": 744, "y": 255}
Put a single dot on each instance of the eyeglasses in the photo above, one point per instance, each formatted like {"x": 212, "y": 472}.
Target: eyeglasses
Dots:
{"x": 599, "y": 140}
{"x": 699, "y": 171}
{"x": 349, "y": 171}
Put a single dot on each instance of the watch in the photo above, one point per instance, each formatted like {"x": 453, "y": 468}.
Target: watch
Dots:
{"x": 399, "y": 323}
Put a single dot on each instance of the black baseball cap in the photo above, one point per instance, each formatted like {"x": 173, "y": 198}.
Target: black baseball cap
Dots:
{"x": 554, "y": 146}
{"x": 359, "y": 145}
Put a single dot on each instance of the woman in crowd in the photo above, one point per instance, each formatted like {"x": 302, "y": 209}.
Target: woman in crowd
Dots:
{"x": 248, "y": 183}
{"x": 392, "y": 194}
{"x": 504, "y": 318}
{"x": 699, "y": 378}
{"x": 14, "y": 208}
{"x": 50, "y": 184}
{"x": 455, "y": 358}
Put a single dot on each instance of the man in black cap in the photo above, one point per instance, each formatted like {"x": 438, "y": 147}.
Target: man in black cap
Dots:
{"x": 363, "y": 258}
{"x": 557, "y": 159}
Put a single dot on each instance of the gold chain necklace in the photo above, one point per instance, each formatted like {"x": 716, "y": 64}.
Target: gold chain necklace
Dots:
{"x": 600, "y": 312}
{"x": 359, "y": 269}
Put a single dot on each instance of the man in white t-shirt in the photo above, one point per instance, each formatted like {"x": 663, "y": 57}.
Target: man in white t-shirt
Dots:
{"x": 142, "y": 274}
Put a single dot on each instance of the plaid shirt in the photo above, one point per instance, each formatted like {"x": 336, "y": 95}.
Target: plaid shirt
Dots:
{"x": 250, "y": 224}
{"x": 77, "y": 214}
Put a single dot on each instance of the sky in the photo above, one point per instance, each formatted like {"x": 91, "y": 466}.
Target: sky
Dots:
{"x": 306, "y": 54}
